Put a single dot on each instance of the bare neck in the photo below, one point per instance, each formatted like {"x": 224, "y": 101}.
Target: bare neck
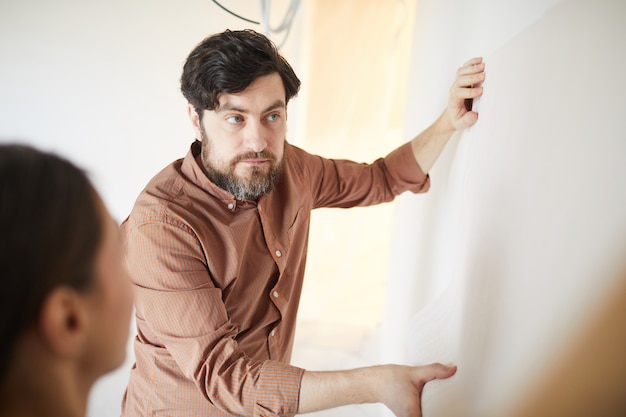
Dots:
{"x": 51, "y": 403}
{"x": 46, "y": 391}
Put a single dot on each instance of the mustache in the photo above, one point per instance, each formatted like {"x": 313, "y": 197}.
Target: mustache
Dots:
{"x": 255, "y": 155}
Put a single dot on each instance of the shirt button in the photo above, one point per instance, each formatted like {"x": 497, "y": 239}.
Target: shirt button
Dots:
{"x": 279, "y": 253}
{"x": 231, "y": 206}
{"x": 275, "y": 294}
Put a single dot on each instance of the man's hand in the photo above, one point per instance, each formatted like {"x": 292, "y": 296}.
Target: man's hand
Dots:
{"x": 398, "y": 387}
{"x": 427, "y": 146}
{"x": 466, "y": 87}
{"x": 403, "y": 388}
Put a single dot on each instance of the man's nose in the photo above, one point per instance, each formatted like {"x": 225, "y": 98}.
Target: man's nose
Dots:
{"x": 256, "y": 137}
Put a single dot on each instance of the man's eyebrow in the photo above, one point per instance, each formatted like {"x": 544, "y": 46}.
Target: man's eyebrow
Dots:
{"x": 231, "y": 107}
{"x": 278, "y": 104}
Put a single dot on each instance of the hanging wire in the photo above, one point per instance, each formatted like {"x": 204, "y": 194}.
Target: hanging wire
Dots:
{"x": 286, "y": 23}
{"x": 284, "y": 28}
{"x": 235, "y": 14}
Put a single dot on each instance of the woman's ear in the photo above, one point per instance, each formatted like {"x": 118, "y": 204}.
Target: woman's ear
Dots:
{"x": 63, "y": 322}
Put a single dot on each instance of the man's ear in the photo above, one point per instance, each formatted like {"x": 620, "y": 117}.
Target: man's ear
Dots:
{"x": 195, "y": 119}
{"x": 63, "y": 322}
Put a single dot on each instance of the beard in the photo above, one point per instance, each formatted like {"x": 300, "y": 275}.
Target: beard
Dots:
{"x": 258, "y": 183}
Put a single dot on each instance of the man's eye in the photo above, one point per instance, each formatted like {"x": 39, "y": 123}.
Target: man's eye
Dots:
{"x": 273, "y": 117}
{"x": 234, "y": 119}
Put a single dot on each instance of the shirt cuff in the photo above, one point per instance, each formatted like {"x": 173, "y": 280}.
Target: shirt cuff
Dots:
{"x": 278, "y": 392}
{"x": 403, "y": 166}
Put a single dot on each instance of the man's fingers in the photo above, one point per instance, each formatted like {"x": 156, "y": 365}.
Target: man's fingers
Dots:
{"x": 471, "y": 69}
{"x": 469, "y": 80}
{"x": 474, "y": 61}
{"x": 436, "y": 371}
{"x": 464, "y": 93}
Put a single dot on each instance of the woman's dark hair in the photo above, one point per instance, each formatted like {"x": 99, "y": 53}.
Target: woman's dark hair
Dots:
{"x": 229, "y": 62}
{"x": 50, "y": 230}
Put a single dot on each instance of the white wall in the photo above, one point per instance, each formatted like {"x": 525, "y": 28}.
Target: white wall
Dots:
{"x": 524, "y": 230}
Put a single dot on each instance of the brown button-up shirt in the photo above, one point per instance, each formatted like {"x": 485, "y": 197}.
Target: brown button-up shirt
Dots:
{"x": 218, "y": 281}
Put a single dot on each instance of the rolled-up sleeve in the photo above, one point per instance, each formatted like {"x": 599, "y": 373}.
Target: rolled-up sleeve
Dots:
{"x": 184, "y": 313}
{"x": 344, "y": 183}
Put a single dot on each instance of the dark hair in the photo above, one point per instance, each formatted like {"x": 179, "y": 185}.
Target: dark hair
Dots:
{"x": 229, "y": 62}
{"x": 50, "y": 230}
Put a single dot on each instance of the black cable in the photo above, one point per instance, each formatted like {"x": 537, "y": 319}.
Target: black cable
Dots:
{"x": 235, "y": 14}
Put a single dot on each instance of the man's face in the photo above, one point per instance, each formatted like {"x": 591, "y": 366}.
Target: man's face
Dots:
{"x": 243, "y": 140}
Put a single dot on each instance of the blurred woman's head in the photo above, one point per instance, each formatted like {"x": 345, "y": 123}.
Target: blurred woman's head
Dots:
{"x": 65, "y": 301}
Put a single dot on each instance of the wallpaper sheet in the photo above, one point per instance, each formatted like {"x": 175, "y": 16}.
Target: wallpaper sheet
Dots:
{"x": 532, "y": 226}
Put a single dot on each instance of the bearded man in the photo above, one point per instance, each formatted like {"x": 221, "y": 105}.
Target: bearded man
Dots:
{"x": 217, "y": 245}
